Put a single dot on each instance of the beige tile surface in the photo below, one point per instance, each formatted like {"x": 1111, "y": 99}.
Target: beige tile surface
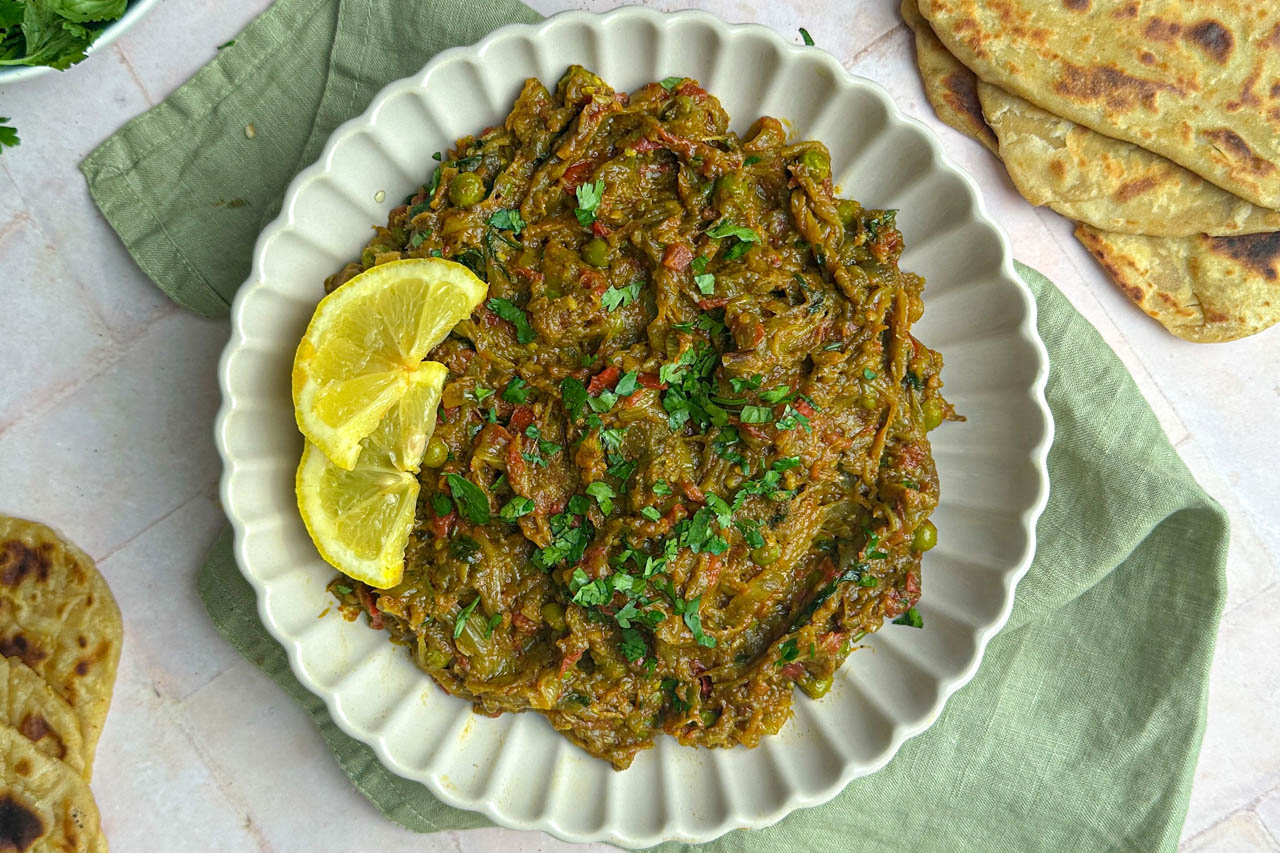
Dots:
{"x": 106, "y": 431}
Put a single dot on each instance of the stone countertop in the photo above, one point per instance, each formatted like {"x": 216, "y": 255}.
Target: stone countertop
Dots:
{"x": 106, "y": 417}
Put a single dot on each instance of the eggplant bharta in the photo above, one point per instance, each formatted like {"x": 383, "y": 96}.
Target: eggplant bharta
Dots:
{"x": 681, "y": 462}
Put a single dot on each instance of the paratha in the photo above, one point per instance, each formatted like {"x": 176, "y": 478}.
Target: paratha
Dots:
{"x": 1198, "y": 85}
{"x": 1203, "y": 289}
{"x": 44, "y": 805}
{"x": 58, "y": 617}
{"x": 29, "y": 705}
{"x": 1108, "y": 183}
{"x": 950, "y": 87}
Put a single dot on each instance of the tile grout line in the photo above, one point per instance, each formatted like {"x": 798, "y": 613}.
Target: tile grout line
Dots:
{"x": 875, "y": 43}
{"x": 1250, "y": 806}
{"x": 133, "y": 74}
{"x": 183, "y": 503}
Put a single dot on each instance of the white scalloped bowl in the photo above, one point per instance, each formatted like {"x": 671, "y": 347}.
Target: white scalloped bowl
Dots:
{"x": 515, "y": 768}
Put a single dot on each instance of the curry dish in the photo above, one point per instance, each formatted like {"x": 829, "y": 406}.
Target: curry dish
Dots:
{"x": 681, "y": 463}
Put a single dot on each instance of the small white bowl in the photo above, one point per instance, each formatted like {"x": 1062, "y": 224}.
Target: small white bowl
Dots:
{"x": 516, "y": 769}
{"x": 135, "y": 11}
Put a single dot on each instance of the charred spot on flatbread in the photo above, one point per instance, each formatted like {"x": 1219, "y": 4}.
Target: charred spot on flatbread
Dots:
{"x": 20, "y": 827}
{"x": 1258, "y": 252}
{"x": 1120, "y": 91}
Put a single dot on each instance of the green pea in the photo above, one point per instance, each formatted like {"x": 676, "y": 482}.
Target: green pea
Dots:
{"x": 709, "y": 717}
{"x": 437, "y": 453}
{"x": 815, "y": 688}
{"x": 816, "y": 162}
{"x": 766, "y": 554}
{"x": 596, "y": 252}
{"x": 553, "y": 615}
{"x": 848, "y": 212}
{"x": 925, "y": 537}
{"x": 466, "y": 189}
{"x": 932, "y": 411}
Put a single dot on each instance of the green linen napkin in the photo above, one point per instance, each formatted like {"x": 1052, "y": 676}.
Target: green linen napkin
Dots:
{"x": 1080, "y": 730}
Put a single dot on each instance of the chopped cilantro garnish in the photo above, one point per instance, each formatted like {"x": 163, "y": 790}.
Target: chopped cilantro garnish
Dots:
{"x": 507, "y": 220}
{"x": 741, "y": 384}
{"x": 517, "y": 391}
{"x": 660, "y": 487}
{"x": 868, "y": 373}
{"x": 633, "y": 646}
{"x": 589, "y": 196}
{"x": 534, "y": 459}
{"x": 651, "y": 513}
{"x": 461, "y": 622}
{"x": 727, "y": 229}
{"x": 698, "y": 264}
{"x": 627, "y": 384}
{"x": 612, "y": 438}
{"x": 752, "y": 160}
{"x": 574, "y": 394}
{"x": 788, "y": 651}
{"x": 441, "y": 505}
{"x": 756, "y": 414}
{"x": 507, "y": 310}
{"x": 750, "y": 533}
{"x": 515, "y": 508}
{"x": 791, "y": 419}
{"x": 416, "y": 240}
{"x": 615, "y": 298}
{"x": 670, "y": 83}
{"x": 604, "y": 495}
{"x": 342, "y": 589}
{"x": 480, "y": 393}
{"x": 911, "y": 617}
{"x": 694, "y": 621}
{"x": 706, "y": 283}
{"x": 471, "y": 502}
{"x": 776, "y": 395}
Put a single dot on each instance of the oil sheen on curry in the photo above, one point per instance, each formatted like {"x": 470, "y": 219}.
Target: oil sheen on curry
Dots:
{"x": 681, "y": 463}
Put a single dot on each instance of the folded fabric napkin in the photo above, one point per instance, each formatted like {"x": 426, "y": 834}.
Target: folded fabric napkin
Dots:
{"x": 1080, "y": 730}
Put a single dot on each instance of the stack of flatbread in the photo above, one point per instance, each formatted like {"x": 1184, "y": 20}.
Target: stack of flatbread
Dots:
{"x": 1154, "y": 124}
{"x": 60, "y": 636}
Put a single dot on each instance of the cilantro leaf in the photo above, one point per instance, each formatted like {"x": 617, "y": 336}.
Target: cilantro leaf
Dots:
{"x": 470, "y": 500}
{"x": 911, "y": 617}
{"x": 627, "y": 384}
{"x": 491, "y": 624}
{"x": 633, "y": 646}
{"x": 750, "y": 383}
{"x": 727, "y": 229}
{"x": 868, "y": 373}
{"x": 651, "y": 513}
{"x": 441, "y": 504}
{"x": 461, "y": 622}
{"x": 589, "y": 196}
{"x": 615, "y": 298}
{"x": 808, "y": 39}
{"x": 8, "y": 135}
{"x": 507, "y": 220}
{"x": 515, "y": 508}
{"x": 787, "y": 652}
{"x": 694, "y": 621}
{"x": 604, "y": 495}
{"x": 670, "y": 83}
{"x": 574, "y": 395}
{"x": 706, "y": 283}
{"x": 791, "y": 419}
{"x": 517, "y": 391}
{"x": 756, "y": 414}
{"x": 660, "y": 487}
{"x": 507, "y": 310}
{"x": 776, "y": 395}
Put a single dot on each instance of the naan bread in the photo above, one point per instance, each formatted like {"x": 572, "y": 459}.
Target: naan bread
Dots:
{"x": 1199, "y": 84}
{"x": 29, "y": 705}
{"x": 58, "y": 617}
{"x": 1108, "y": 183}
{"x": 1203, "y": 289}
{"x": 44, "y": 805}
{"x": 950, "y": 87}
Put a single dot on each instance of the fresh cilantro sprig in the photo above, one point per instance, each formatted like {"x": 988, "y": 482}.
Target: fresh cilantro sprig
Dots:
{"x": 589, "y": 196}
{"x": 509, "y": 311}
{"x": 472, "y": 502}
{"x": 8, "y": 134}
{"x": 507, "y": 220}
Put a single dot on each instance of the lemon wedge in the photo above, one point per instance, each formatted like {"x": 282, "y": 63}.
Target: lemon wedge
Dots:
{"x": 364, "y": 347}
{"x": 360, "y": 519}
